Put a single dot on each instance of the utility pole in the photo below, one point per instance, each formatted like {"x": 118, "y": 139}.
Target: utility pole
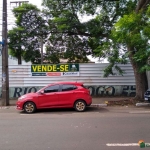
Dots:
{"x": 5, "y": 74}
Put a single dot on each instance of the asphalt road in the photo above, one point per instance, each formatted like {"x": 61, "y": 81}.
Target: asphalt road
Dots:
{"x": 110, "y": 128}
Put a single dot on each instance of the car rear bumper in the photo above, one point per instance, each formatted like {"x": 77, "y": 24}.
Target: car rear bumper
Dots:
{"x": 89, "y": 102}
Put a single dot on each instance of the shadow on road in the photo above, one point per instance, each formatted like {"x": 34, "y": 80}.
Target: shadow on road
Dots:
{"x": 69, "y": 110}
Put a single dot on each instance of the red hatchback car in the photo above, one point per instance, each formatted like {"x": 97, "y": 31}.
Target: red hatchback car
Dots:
{"x": 58, "y": 95}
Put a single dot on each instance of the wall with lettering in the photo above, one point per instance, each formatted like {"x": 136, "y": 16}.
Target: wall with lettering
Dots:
{"x": 95, "y": 91}
{"x": 100, "y": 91}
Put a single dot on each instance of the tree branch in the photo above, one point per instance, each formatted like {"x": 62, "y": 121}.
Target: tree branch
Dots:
{"x": 142, "y": 5}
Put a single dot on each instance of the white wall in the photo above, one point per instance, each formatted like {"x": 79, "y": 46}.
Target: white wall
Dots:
{"x": 21, "y": 81}
{"x": 90, "y": 74}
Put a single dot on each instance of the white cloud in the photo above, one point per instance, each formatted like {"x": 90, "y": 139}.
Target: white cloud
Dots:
{"x": 10, "y": 6}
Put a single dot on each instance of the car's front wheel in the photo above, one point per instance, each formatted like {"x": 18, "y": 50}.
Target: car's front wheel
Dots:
{"x": 80, "y": 105}
{"x": 29, "y": 107}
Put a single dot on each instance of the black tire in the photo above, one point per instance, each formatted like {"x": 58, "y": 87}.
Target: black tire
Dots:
{"x": 80, "y": 106}
{"x": 29, "y": 107}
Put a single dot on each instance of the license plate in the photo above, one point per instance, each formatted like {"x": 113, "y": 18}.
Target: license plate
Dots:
{"x": 146, "y": 99}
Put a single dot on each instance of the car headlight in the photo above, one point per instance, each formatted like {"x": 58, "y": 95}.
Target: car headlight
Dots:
{"x": 22, "y": 97}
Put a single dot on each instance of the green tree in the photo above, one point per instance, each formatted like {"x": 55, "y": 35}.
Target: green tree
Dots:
{"x": 130, "y": 32}
{"x": 64, "y": 37}
{"x": 117, "y": 30}
{"x": 31, "y": 28}
{"x": 65, "y": 47}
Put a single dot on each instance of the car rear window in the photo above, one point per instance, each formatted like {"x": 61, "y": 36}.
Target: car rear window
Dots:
{"x": 84, "y": 86}
{"x": 68, "y": 87}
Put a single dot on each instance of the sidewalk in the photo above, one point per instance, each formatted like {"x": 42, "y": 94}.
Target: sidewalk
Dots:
{"x": 95, "y": 100}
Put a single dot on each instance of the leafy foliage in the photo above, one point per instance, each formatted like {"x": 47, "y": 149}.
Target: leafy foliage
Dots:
{"x": 130, "y": 30}
{"x": 94, "y": 35}
{"x": 24, "y": 39}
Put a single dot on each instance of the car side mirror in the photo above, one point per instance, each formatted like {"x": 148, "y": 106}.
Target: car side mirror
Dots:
{"x": 41, "y": 92}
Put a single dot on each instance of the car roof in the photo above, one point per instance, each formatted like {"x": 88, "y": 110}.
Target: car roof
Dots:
{"x": 67, "y": 82}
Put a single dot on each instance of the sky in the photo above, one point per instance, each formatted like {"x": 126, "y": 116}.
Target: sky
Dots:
{"x": 10, "y": 6}
{"x": 11, "y": 19}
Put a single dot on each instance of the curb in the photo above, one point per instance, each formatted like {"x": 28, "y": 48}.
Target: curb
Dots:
{"x": 105, "y": 105}
{"x": 7, "y": 107}
{"x": 142, "y": 104}
{"x": 92, "y": 105}
{"x": 99, "y": 105}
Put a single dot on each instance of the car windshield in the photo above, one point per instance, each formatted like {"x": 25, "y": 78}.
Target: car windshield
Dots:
{"x": 40, "y": 89}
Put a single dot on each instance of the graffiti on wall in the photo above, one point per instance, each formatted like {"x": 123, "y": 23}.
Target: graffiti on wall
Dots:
{"x": 18, "y": 91}
{"x": 95, "y": 91}
{"x": 112, "y": 90}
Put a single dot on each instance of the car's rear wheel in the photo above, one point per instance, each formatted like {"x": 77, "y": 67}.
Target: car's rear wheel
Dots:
{"x": 29, "y": 107}
{"x": 80, "y": 105}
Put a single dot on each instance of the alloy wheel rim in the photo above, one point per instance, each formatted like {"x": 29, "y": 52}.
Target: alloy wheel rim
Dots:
{"x": 80, "y": 106}
{"x": 29, "y": 107}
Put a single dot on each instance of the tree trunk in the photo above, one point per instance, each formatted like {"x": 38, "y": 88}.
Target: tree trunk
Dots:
{"x": 142, "y": 5}
{"x": 19, "y": 60}
{"x": 19, "y": 56}
{"x": 141, "y": 82}
{"x": 140, "y": 78}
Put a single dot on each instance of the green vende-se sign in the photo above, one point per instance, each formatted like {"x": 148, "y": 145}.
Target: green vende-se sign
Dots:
{"x": 55, "y": 68}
